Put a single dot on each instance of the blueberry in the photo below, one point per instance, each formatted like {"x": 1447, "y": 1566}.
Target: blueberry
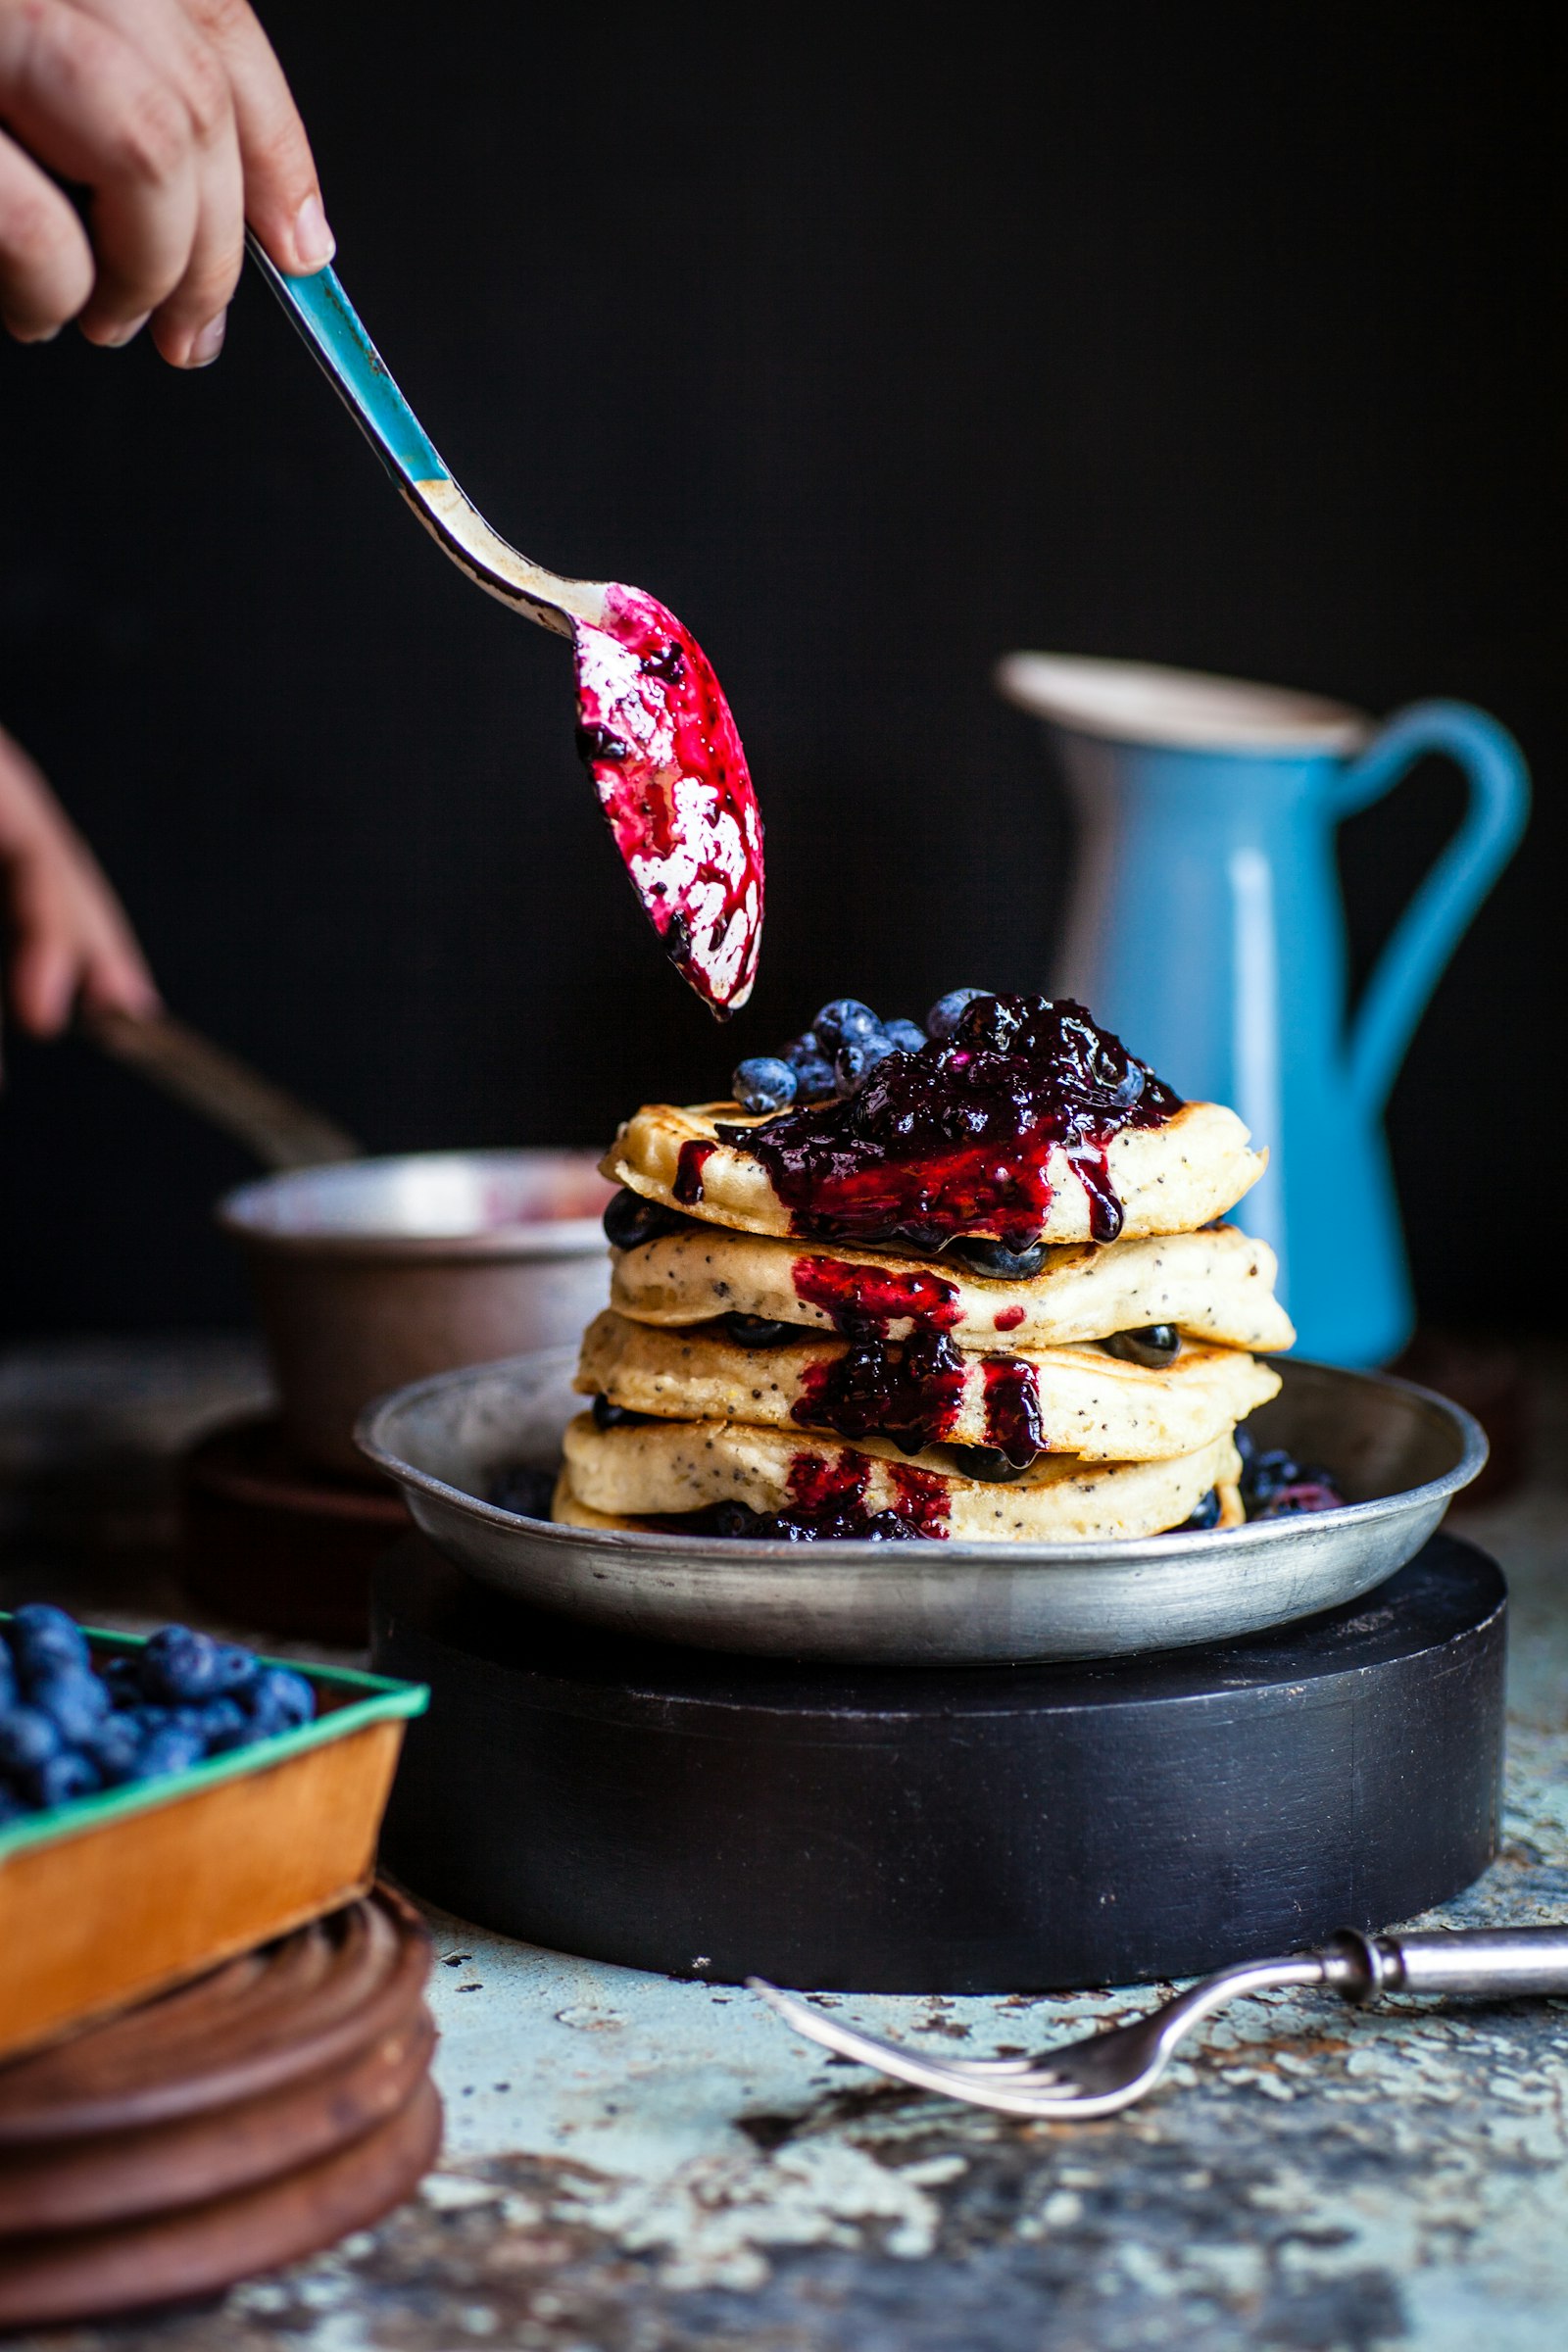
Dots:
{"x": 987, "y": 1462}
{"x": 734, "y": 1519}
{"x": 803, "y": 1049}
{"x": 944, "y": 1015}
{"x": 42, "y": 1637}
{"x": 279, "y": 1701}
{"x": 813, "y": 1078}
{"x": 62, "y": 1778}
{"x": 993, "y": 1260}
{"x": 121, "y": 1677}
{"x": 8, "y": 1673}
{"x": 853, "y": 1063}
{"x": 908, "y": 1036}
{"x": 236, "y": 1668}
{"x": 760, "y": 1331}
{"x": 765, "y": 1083}
{"x": 630, "y": 1220}
{"x": 171, "y": 1747}
{"x": 1312, "y": 1491}
{"x": 13, "y": 1807}
{"x": 113, "y": 1746}
{"x": 1204, "y": 1513}
{"x": 74, "y": 1701}
{"x": 148, "y": 1717}
{"x": 614, "y": 1416}
{"x": 27, "y": 1740}
{"x": 179, "y": 1665}
{"x": 844, "y": 1022}
{"x": 223, "y": 1724}
{"x": 526, "y": 1492}
{"x": 1154, "y": 1346}
{"x": 1265, "y": 1473}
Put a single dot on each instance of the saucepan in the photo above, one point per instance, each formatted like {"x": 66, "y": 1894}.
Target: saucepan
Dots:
{"x": 372, "y": 1273}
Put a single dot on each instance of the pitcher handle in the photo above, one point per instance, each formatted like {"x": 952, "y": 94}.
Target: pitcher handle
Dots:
{"x": 1429, "y": 930}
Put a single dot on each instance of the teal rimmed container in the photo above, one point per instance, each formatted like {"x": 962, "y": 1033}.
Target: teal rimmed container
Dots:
{"x": 115, "y": 1897}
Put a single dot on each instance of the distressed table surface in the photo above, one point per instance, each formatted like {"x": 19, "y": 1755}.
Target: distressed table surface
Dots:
{"x": 635, "y": 2164}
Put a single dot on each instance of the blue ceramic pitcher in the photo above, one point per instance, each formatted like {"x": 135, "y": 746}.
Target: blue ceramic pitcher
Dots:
{"x": 1205, "y": 927}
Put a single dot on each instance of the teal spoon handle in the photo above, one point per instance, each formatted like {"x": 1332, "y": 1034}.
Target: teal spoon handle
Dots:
{"x": 333, "y": 331}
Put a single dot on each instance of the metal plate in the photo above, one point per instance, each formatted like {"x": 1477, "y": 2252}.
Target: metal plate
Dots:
{"x": 1399, "y": 1452}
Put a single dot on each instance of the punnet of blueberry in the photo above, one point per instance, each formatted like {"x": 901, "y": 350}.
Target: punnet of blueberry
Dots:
{"x": 765, "y": 1083}
{"x": 70, "y": 1726}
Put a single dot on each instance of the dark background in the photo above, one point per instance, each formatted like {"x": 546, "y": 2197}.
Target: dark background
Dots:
{"x": 1222, "y": 338}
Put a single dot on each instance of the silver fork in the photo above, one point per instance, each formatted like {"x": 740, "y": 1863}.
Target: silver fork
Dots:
{"x": 1111, "y": 2068}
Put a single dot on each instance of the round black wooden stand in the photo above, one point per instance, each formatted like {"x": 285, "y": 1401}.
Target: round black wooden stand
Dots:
{"x": 956, "y": 1829}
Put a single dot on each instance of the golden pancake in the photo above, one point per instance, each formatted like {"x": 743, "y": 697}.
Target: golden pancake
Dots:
{"x": 1079, "y": 1400}
{"x": 655, "y": 1467}
{"x": 1170, "y": 1179}
{"x": 567, "y": 1511}
{"x": 1214, "y": 1286}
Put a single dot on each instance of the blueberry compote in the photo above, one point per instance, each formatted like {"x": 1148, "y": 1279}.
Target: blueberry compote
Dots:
{"x": 906, "y": 1390}
{"x": 666, "y": 761}
{"x": 956, "y": 1139}
{"x": 827, "y": 1505}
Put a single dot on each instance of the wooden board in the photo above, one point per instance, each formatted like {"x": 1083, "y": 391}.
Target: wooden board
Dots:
{"x": 274, "y": 2017}
{"x": 232, "y": 2125}
{"x": 200, "y": 2249}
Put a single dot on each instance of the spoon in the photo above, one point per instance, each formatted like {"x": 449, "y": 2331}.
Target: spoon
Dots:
{"x": 652, "y": 724}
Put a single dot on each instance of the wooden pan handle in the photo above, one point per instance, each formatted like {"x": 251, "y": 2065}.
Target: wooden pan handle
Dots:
{"x": 221, "y": 1089}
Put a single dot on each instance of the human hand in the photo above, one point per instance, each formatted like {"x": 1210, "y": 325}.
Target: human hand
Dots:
{"x": 175, "y": 116}
{"x": 70, "y": 940}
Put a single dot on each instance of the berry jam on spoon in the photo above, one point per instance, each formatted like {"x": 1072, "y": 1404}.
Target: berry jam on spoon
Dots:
{"x": 652, "y": 720}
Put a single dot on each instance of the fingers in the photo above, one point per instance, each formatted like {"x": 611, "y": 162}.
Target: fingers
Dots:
{"x": 188, "y": 326}
{"x": 89, "y": 106}
{"x": 46, "y": 267}
{"x": 176, "y": 116}
{"x": 71, "y": 943}
{"x": 69, "y": 934}
{"x": 283, "y": 194}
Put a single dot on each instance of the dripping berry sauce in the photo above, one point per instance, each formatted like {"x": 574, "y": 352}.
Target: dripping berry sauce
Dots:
{"x": 827, "y": 1505}
{"x": 906, "y": 1390}
{"x": 1012, "y": 1409}
{"x": 658, "y": 740}
{"x": 956, "y": 1139}
{"x": 693, "y": 1160}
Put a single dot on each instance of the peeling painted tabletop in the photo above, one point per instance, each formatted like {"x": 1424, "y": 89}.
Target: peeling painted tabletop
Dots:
{"x": 638, "y": 2165}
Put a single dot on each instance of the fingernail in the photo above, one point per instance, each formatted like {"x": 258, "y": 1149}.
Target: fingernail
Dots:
{"x": 313, "y": 242}
{"x": 29, "y": 335}
{"x": 210, "y": 342}
{"x": 115, "y": 339}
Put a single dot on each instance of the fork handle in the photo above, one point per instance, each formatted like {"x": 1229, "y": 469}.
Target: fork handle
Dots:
{"x": 1500, "y": 1961}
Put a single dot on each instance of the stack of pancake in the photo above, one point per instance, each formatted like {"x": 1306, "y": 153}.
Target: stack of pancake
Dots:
{"x": 757, "y": 1375}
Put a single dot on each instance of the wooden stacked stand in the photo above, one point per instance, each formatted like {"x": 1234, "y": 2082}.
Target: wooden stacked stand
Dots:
{"x": 956, "y": 1829}
{"x": 248, "y": 2119}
